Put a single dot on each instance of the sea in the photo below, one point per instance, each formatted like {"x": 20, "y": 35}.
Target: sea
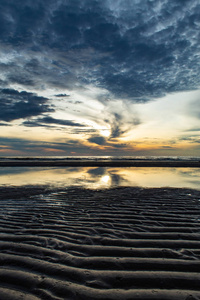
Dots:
{"x": 100, "y": 177}
{"x": 106, "y": 158}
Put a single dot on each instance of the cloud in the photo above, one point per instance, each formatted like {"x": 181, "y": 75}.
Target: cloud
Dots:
{"x": 133, "y": 49}
{"x": 167, "y": 147}
{"x": 100, "y": 54}
{"x": 15, "y": 105}
{"x": 121, "y": 117}
{"x": 119, "y": 146}
{"x": 62, "y": 95}
{"x": 4, "y": 124}
{"x": 194, "y": 107}
{"x": 36, "y": 147}
{"x": 19, "y": 146}
{"x": 47, "y": 120}
{"x": 191, "y": 139}
{"x": 99, "y": 140}
{"x": 193, "y": 129}
{"x": 116, "y": 126}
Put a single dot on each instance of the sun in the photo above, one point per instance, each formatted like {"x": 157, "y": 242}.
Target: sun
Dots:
{"x": 105, "y": 132}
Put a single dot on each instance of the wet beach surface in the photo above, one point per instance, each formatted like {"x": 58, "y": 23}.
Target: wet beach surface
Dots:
{"x": 119, "y": 243}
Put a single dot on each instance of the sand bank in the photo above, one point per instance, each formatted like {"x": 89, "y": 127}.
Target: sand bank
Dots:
{"x": 122, "y": 243}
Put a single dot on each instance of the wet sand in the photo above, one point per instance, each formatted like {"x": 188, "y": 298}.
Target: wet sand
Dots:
{"x": 122, "y": 243}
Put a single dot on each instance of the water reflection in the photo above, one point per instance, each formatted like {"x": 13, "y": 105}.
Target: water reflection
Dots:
{"x": 101, "y": 177}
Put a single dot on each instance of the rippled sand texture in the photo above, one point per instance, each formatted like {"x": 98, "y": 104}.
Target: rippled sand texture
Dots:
{"x": 124, "y": 243}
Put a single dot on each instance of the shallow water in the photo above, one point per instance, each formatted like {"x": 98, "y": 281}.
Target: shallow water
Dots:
{"x": 100, "y": 177}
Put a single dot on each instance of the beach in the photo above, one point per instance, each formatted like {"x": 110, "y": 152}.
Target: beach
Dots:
{"x": 115, "y": 243}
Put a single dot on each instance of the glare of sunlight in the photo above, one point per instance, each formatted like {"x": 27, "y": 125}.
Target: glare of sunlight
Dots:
{"x": 105, "y": 132}
{"x": 105, "y": 179}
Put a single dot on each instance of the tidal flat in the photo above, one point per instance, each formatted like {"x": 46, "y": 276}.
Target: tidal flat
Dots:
{"x": 114, "y": 243}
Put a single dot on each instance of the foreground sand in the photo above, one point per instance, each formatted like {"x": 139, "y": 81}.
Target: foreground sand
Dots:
{"x": 123, "y": 243}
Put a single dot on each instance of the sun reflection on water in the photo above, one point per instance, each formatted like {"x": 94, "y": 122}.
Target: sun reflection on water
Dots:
{"x": 101, "y": 177}
{"x": 105, "y": 179}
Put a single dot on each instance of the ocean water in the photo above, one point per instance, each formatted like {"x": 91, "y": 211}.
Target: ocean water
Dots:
{"x": 101, "y": 177}
{"x": 106, "y": 158}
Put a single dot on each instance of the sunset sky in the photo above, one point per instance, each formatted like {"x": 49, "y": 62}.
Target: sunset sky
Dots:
{"x": 99, "y": 77}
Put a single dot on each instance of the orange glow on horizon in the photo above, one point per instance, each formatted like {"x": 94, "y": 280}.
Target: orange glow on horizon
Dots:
{"x": 11, "y": 151}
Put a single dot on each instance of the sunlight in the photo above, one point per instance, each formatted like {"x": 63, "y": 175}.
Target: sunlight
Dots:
{"x": 105, "y": 132}
{"x": 105, "y": 179}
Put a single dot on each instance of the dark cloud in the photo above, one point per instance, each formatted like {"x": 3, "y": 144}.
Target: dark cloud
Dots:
{"x": 119, "y": 124}
{"x": 191, "y": 139}
{"x": 37, "y": 147}
{"x": 21, "y": 79}
{"x": 62, "y": 95}
{"x": 193, "y": 129}
{"x": 4, "y": 124}
{"x": 15, "y": 105}
{"x": 167, "y": 147}
{"x": 47, "y": 120}
{"x": 116, "y": 130}
{"x": 119, "y": 146}
{"x": 99, "y": 140}
{"x": 30, "y": 146}
{"x": 134, "y": 49}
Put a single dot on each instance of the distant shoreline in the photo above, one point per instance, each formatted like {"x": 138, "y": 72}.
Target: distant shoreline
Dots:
{"x": 100, "y": 163}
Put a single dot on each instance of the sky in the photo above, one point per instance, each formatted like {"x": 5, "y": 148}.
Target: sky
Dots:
{"x": 99, "y": 77}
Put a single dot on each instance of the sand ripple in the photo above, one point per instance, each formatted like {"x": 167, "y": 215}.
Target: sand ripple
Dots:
{"x": 124, "y": 243}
